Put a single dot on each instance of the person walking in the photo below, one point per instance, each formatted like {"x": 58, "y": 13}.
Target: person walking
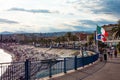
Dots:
{"x": 105, "y": 54}
{"x": 101, "y": 54}
{"x": 115, "y": 53}
{"x": 108, "y": 51}
{"x": 111, "y": 54}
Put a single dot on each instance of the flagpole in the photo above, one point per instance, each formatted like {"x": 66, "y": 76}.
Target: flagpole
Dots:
{"x": 96, "y": 41}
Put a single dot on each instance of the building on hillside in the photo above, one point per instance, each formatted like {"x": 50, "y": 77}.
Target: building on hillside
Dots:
{"x": 7, "y": 38}
{"x": 108, "y": 28}
{"x": 82, "y": 36}
{"x": 110, "y": 39}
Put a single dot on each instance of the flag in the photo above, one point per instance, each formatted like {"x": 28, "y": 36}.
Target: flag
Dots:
{"x": 101, "y": 34}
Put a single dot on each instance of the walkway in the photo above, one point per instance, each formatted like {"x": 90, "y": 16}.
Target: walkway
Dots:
{"x": 97, "y": 71}
{"x": 111, "y": 71}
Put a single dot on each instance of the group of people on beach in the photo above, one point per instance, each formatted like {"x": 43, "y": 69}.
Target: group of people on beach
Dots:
{"x": 111, "y": 52}
{"x": 23, "y": 52}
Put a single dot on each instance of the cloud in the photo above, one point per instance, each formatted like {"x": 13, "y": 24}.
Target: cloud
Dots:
{"x": 60, "y": 15}
{"x": 99, "y": 22}
{"x": 8, "y": 21}
{"x": 84, "y": 28}
{"x": 31, "y": 10}
{"x": 88, "y": 25}
{"x": 28, "y": 26}
{"x": 109, "y": 7}
{"x": 80, "y": 27}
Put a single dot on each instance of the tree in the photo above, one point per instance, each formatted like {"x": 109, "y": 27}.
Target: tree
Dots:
{"x": 68, "y": 35}
{"x": 74, "y": 38}
{"x": 63, "y": 39}
{"x": 58, "y": 40}
{"x": 116, "y": 30}
{"x": 118, "y": 46}
{"x": 91, "y": 39}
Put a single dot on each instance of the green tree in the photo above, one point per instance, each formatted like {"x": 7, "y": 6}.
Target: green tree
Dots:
{"x": 74, "y": 38}
{"x": 68, "y": 35}
{"x": 58, "y": 40}
{"x": 116, "y": 30}
{"x": 63, "y": 39}
{"x": 118, "y": 46}
{"x": 91, "y": 39}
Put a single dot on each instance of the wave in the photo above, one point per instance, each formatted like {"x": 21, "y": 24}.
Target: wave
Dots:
{"x": 4, "y": 57}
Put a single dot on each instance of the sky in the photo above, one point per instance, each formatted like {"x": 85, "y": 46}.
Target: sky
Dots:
{"x": 43, "y": 16}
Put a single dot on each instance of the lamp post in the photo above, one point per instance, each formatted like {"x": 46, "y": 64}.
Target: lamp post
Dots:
{"x": 82, "y": 55}
{"x": 82, "y": 48}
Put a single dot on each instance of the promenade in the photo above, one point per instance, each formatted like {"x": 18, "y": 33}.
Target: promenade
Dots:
{"x": 109, "y": 70}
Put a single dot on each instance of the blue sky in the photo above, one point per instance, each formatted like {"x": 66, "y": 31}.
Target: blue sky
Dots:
{"x": 57, "y": 15}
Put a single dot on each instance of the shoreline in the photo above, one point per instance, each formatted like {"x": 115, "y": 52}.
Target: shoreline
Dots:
{"x": 13, "y": 57}
{"x": 8, "y": 53}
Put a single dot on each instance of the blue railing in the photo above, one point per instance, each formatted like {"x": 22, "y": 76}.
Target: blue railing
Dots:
{"x": 69, "y": 63}
{"x": 31, "y": 70}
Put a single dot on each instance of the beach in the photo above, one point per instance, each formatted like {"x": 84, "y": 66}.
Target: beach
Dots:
{"x": 17, "y": 54}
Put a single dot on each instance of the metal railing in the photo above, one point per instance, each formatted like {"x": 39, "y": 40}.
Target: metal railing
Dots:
{"x": 31, "y": 70}
{"x": 12, "y": 71}
{"x": 68, "y": 63}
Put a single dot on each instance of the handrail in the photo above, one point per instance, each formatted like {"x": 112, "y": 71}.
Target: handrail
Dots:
{"x": 40, "y": 69}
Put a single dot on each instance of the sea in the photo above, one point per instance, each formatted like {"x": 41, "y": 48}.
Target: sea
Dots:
{"x": 4, "y": 58}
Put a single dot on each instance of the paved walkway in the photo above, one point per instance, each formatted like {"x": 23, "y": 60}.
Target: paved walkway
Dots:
{"x": 109, "y": 70}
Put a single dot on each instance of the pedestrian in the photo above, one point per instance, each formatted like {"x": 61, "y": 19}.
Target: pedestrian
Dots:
{"x": 105, "y": 54}
{"x": 101, "y": 57}
{"x": 111, "y": 54}
{"x": 115, "y": 53}
{"x": 101, "y": 54}
{"x": 108, "y": 51}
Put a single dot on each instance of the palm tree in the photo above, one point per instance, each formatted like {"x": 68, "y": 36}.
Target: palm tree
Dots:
{"x": 63, "y": 39}
{"x": 116, "y": 30}
{"x": 58, "y": 40}
{"x": 74, "y": 38}
{"x": 91, "y": 39}
{"x": 68, "y": 35}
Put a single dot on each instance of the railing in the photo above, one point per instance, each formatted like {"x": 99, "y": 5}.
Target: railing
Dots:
{"x": 31, "y": 70}
{"x": 12, "y": 71}
{"x": 62, "y": 66}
